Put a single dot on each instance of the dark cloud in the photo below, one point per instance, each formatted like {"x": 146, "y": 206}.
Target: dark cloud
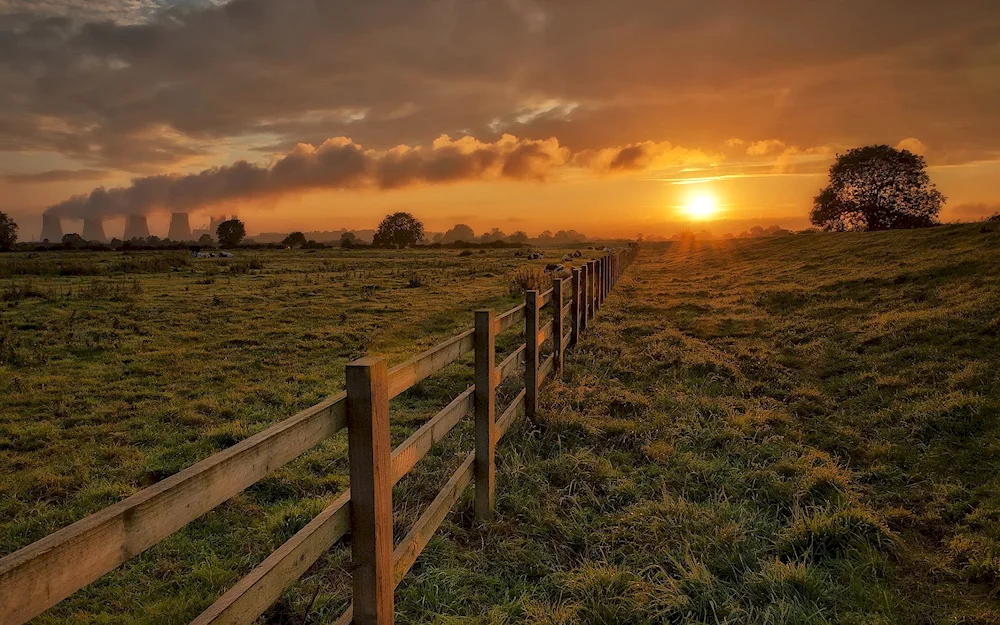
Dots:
{"x": 56, "y": 175}
{"x": 335, "y": 165}
{"x": 148, "y": 95}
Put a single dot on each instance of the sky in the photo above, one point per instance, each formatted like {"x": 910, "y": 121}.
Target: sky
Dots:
{"x": 610, "y": 118}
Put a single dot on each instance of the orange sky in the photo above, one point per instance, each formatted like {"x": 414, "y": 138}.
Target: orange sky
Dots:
{"x": 584, "y": 115}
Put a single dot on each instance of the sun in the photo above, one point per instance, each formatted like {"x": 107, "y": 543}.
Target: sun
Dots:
{"x": 701, "y": 206}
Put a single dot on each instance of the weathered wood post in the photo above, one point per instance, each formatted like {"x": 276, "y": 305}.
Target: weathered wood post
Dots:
{"x": 607, "y": 274}
{"x": 557, "y": 325}
{"x": 486, "y": 386}
{"x": 574, "y": 309}
{"x": 600, "y": 282}
{"x": 596, "y": 288}
{"x": 592, "y": 288}
{"x": 584, "y": 294}
{"x": 531, "y": 353}
{"x": 371, "y": 490}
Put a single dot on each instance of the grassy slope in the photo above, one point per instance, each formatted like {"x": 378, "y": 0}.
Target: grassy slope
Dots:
{"x": 798, "y": 430}
{"x": 782, "y": 431}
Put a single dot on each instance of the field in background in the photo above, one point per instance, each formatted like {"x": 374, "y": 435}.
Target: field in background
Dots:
{"x": 792, "y": 430}
{"x": 119, "y": 370}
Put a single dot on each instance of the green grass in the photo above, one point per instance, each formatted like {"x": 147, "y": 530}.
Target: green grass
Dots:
{"x": 793, "y": 430}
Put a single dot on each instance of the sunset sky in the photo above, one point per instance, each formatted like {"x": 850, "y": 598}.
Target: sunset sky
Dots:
{"x": 610, "y": 118}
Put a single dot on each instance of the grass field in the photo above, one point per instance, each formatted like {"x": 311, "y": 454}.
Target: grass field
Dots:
{"x": 790, "y": 430}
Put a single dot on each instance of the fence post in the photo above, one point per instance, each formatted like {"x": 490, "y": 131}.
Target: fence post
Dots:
{"x": 486, "y": 379}
{"x": 557, "y": 324}
{"x": 602, "y": 271}
{"x": 592, "y": 288}
{"x": 574, "y": 310}
{"x": 600, "y": 282}
{"x": 371, "y": 490}
{"x": 607, "y": 274}
{"x": 584, "y": 292}
{"x": 596, "y": 287}
{"x": 531, "y": 353}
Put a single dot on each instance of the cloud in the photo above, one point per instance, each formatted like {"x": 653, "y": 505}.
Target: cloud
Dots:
{"x": 56, "y": 175}
{"x": 149, "y": 86}
{"x": 763, "y": 148}
{"x": 336, "y": 164}
{"x": 913, "y": 145}
{"x": 646, "y": 155}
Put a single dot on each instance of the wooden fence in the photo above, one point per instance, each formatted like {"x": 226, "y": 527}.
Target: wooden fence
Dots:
{"x": 44, "y": 573}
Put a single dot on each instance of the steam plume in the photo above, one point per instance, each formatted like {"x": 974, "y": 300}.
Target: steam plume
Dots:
{"x": 336, "y": 164}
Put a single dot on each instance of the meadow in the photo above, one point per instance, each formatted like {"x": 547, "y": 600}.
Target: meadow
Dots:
{"x": 792, "y": 430}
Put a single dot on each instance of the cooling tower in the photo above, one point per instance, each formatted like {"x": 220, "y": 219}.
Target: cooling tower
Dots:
{"x": 180, "y": 227}
{"x": 136, "y": 228}
{"x": 51, "y": 229}
{"x": 93, "y": 230}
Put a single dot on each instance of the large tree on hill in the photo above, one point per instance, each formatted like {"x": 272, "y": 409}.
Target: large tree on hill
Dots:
{"x": 398, "y": 230}
{"x": 231, "y": 232}
{"x": 8, "y": 232}
{"x": 877, "y": 187}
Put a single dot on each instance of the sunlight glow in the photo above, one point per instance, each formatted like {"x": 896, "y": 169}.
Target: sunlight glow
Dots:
{"x": 701, "y": 206}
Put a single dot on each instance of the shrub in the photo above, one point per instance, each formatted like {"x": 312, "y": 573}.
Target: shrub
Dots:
{"x": 465, "y": 253}
{"x": 527, "y": 279}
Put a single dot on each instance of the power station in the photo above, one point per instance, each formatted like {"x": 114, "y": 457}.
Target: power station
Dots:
{"x": 93, "y": 230}
{"x": 51, "y": 229}
{"x": 136, "y": 227}
{"x": 180, "y": 227}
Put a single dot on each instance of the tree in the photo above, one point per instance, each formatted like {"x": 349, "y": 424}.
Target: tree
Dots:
{"x": 72, "y": 239}
{"x": 206, "y": 240}
{"x": 295, "y": 239}
{"x": 519, "y": 236}
{"x": 495, "y": 234}
{"x": 231, "y": 232}
{"x": 8, "y": 233}
{"x": 877, "y": 187}
{"x": 460, "y": 232}
{"x": 348, "y": 239}
{"x": 398, "y": 230}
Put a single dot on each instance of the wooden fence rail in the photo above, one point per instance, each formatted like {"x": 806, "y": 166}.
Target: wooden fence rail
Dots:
{"x": 42, "y": 574}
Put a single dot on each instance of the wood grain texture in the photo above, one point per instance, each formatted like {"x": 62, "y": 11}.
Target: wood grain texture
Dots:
{"x": 485, "y": 366}
{"x": 40, "y": 575}
{"x": 531, "y": 360}
{"x": 557, "y": 322}
{"x": 574, "y": 308}
{"x": 371, "y": 491}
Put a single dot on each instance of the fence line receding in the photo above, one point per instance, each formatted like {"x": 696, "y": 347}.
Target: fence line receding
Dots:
{"x": 45, "y": 572}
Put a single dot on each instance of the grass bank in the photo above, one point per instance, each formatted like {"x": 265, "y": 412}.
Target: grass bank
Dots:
{"x": 794, "y": 430}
